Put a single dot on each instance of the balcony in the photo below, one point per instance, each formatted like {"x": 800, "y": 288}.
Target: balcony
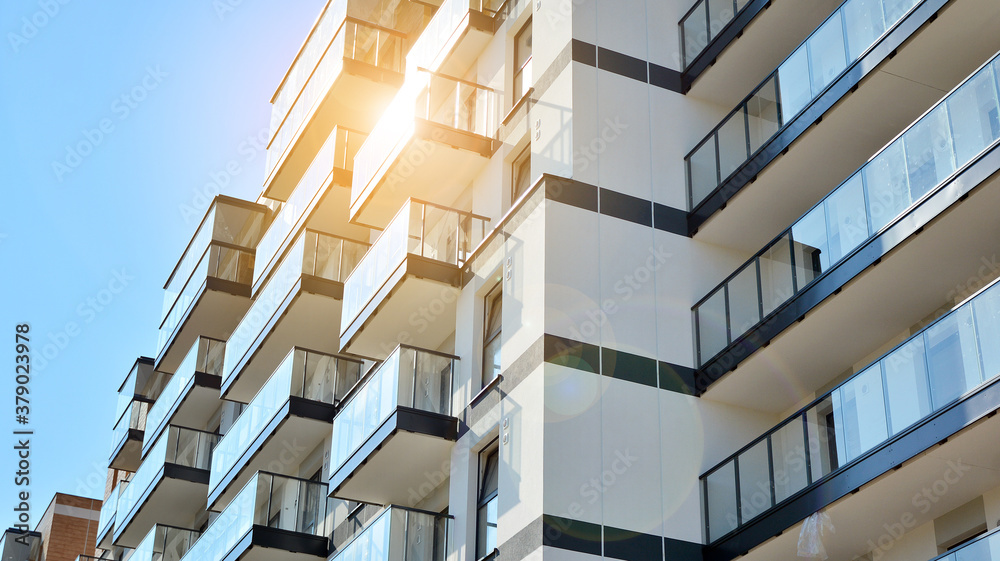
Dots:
{"x": 399, "y": 414}
{"x": 169, "y": 487}
{"x": 274, "y": 518}
{"x": 16, "y": 545}
{"x": 321, "y": 197}
{"x": 289, "y": 416}
{"x": 457, "y": 35}
{"x": 141, "y": 387}
{"x": 398, "y": 534}
{"x": 418, "y": 258}
{"x": 434, "y": 138}
{"x": 106, "y": 522}
{"x": 940, "y": 382}
{"x": 209, "y": 289}
{"x": 191, "y": 396}
{"x": 763, "y": 32}
{"x": 163, "y": 543}
{"x": 941, "y": 169}
{"x": 345, "y": 74}
{"x": 893, "y": 58}
{"x": 299, "y": 305}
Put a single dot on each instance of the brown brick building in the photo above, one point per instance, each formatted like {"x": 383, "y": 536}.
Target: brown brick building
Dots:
{"x": 69, "y": 527}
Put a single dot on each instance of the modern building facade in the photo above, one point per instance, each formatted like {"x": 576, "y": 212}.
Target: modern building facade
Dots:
{"x": 679, "y": 280}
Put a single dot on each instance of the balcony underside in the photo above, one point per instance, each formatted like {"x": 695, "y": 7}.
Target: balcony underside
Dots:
{"x": 419, "y": 440}
{"x": 896, "y": 280}
{"x": 899, "y": 90}
{"x": 415, "y": 306}
{"x": 194, "y": 409}
{"x": 214, "y": 313}
{"x": 465, "y": 44}
{"x": 968, "y": 462}
{"x": 128, "y": 454}
{"x": 435, "y": 165}
{"x": 175, "y": 497}
{"x": 725, "y": 77}
{"x": 295, "y": 431}
{"x": 271, "y": 544}
{"x": 309, "y": 317}
{"x": 331, "y": 216}
{"x": 355, "y": 101}
{"x": 104, "y": 541}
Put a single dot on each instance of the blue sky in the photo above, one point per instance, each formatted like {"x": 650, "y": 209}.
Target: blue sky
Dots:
{"x": 104, "y": 191}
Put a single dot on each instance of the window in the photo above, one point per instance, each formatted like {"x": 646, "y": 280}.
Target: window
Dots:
{"x": 521, "y": 174}
{"x": 491, "y": 334}
{"x": 486, "y": 515}
{"x": 522, "y": 61}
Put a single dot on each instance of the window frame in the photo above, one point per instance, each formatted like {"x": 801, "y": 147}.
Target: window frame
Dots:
{"x": 495, "y": 294}
{"x": 518, "y": 73}
{"x": 524, "y": 157}
{"x": 482, "y": 499}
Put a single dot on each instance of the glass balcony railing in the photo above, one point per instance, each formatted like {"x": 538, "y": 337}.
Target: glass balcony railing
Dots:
{"x": 983, "y": 548}
{"x": 337, "y": 152}
{"x": 437, "y": 98}
{"x": 953, "y": 357}
{"x": 409, "y": 377}
{"x": 205, "y": 356}
{"x": 109, "y": 507}
{"x": 268, "y": 500}
{"x": 180, "y": 446}
{"x": 314, "y": 254}
{"x": 400, "y": 534}
{"x": 134, "y": 417}
{"x": 428, "y": 47}
{"x": 948, "y": 137}
{"x": 703, "y": 22}
{"x": 421, "y": 229}
{"x": 304, "y": 374}
{"x": 219, "y": 261}
{"x": 336, "y": 37}
{"x": 838, "y": 43}
{"x": 163, "y": 543}
{"x": 17, "y": 545}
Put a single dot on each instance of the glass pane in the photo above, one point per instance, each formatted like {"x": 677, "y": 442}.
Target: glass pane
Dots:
{"x": 703, "y": 172}
{"x": 896, "y": 9}
{"x": 906, "y": 385}
{"x": 983, "y": 549}
{"x": 720, "y": 486}
{"x": 973, "y": 110}
{"x": 888, "y": 189}
{"x": 755, "y": 481}
{"x": 952, "y": 356}
{"x": 827, "y": 57}
{"x": 744, "y": 311}
{"x": 847, "y": 219}
{"x": 788, "y": 450}
{"x": 762, "y": 115}
{"x": 776, "y": 274}
{"x": 487, "y": 528}
{"x": 793, "y": 77}
{"x": 930, "y": 157}
{"x": 822, "y": 431}
{"x": 812, "y": 256}
{"x": 712, "y": 336}
{"x": 987, "y": 310}
{"x": 732, "y": 143}
{"x": 695, "y": 33}
{"x": 864, "y": 23}
{"x": 432, "y": 383}
{"x": 720, "y": 12}
{"x": 861, "y": 414}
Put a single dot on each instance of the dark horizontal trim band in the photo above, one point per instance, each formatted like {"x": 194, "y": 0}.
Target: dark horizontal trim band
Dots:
{"x": 617, "y": 205}
{"x": 627, "y": 66}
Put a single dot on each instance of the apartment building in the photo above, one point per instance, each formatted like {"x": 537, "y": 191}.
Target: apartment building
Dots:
{"x": 680, "y": 280}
